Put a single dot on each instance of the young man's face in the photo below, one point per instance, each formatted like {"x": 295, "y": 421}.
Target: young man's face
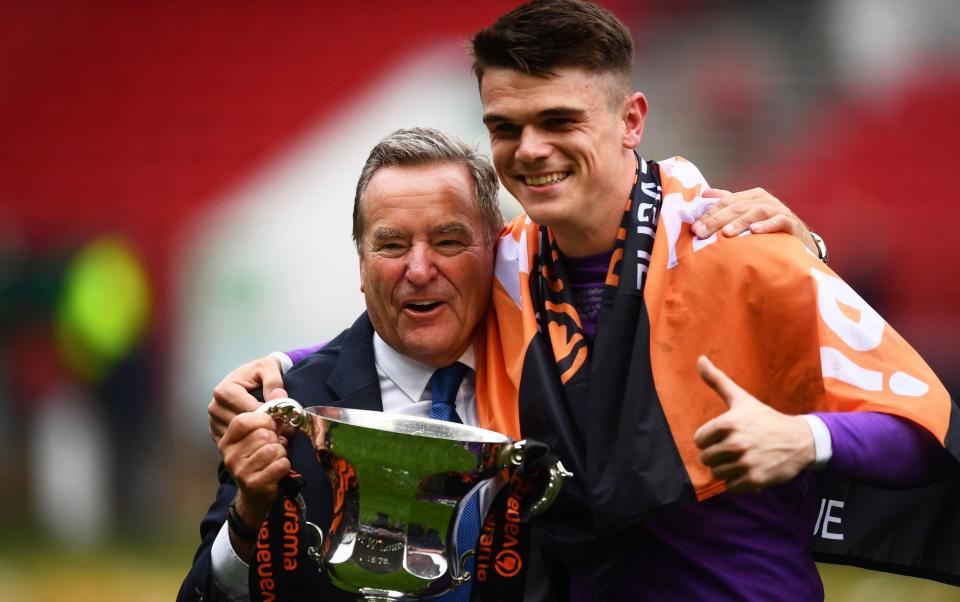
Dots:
{"x": 562, "y": 144}
{"x": 426, "y": 266}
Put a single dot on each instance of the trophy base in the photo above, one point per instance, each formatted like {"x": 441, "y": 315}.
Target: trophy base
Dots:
{"x": 380, "y": 595}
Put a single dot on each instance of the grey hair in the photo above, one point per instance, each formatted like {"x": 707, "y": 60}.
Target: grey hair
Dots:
{"x": 423, "y": 146}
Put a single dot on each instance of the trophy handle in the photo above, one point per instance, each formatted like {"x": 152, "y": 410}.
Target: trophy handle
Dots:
{"x": 557, "y": 474}
{"x": 287, "y": 411}
{"x": 316, "y": 552}
{"x": 463, "y": 575}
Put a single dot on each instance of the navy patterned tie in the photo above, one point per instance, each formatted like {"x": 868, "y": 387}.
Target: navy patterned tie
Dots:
{"x": 444, "y": 385}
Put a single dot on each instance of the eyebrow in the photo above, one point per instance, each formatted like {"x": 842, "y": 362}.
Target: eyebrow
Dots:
{"x": 563, "y": 112}
{"x": 452, "y": 228}
{"x": 385, "y": 233}
{"x": 493, "y": 118}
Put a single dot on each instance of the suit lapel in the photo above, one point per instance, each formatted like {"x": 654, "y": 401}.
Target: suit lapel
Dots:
{"x": 354, "y": 378}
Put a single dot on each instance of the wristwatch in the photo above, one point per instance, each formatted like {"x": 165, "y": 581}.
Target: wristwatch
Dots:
{"x": 821, "y": 246}
{"x": 239, "y": 528}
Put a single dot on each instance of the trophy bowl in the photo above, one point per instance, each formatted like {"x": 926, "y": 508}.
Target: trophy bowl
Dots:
{"x": 399, "y": 486}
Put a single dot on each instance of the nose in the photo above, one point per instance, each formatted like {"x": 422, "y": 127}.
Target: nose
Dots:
{"x": 533, "y": 145}
{"x": 421, "y": 268}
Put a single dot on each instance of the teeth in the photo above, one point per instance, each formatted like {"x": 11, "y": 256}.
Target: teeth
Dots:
{"x": 549, "y": 178}
{"x": 424, "y": 306}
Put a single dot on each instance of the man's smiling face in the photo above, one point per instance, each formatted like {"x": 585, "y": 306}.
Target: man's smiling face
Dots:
{"x": 558, "y": 141}
{"x": 426, "y": 265}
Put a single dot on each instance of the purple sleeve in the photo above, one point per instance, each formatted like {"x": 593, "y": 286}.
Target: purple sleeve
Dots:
{"x": 298, "y": 354}
{"x": 884, "y": 450}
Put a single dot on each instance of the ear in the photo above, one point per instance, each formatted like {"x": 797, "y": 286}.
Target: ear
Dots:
{"x": 634, "y": 112}
{"x": 363, "y": 274}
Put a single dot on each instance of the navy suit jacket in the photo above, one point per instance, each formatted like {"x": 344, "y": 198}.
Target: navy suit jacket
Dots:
{"x": 342, "y": 374}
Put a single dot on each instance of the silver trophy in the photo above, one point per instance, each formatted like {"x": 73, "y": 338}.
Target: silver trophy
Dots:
{"x": 399, "y": 484}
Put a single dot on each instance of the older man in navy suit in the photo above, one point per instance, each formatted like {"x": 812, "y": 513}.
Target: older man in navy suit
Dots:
{"x": 426, "y": 219}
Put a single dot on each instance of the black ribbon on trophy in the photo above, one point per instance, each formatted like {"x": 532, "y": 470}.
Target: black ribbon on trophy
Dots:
{"x": 500, "y": 564}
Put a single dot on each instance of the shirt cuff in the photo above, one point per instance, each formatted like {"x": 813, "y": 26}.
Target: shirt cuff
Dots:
{"x": 822, "y": 442}
{"x": 229, "y": 572}
{"x": 285, "y": 362}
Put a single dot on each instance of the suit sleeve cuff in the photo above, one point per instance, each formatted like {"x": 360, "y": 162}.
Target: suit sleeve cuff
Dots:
{"x": 822, "y": 441}
{"x": 229, "y": 572}
{"x": 285, "y": 362}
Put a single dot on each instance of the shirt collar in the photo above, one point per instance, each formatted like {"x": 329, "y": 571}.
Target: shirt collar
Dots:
{"x": 408, "y": 374}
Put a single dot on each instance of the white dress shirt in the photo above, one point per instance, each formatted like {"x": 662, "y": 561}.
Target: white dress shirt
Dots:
{"x": 403, "y": 390}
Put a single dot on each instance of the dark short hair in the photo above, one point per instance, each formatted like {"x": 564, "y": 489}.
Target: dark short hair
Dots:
{"x": 425, "y": 146}
{"x": 543, "y": 35}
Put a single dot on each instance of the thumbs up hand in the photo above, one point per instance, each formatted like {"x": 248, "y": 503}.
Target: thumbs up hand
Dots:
{"x": 751, "y": 445}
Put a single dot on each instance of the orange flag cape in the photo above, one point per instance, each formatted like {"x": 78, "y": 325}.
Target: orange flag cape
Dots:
{"x": 778, "y": 321}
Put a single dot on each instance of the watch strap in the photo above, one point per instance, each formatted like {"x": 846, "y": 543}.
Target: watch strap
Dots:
{"x": 240, "y": 528}
{"x": 821, "y": 246}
